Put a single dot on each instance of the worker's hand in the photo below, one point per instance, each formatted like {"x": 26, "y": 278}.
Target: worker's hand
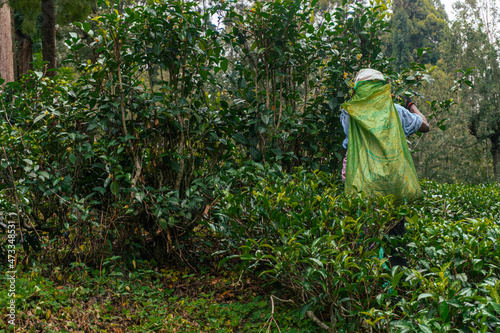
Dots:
{"x": 408, "y": 102}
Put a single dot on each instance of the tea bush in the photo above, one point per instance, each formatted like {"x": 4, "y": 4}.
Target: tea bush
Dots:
{"x": 299, "y": 230}
{"x": 454, "y": 246}
{"x": 115, "y": 148}
{"x": 455, "y": 283}
{"x": 290, "y": 69}
{"x": 460, "y": 201}
{"x": 125, "y": 145}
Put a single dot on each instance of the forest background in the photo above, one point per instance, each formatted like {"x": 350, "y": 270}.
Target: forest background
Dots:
{"x": 180, "y": 132}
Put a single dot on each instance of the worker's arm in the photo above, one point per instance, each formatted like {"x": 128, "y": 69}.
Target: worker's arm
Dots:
{"x": 410, "y": 106}
{"x": 424, "y": 128}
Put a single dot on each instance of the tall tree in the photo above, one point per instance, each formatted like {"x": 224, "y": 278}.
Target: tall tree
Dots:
{"x": 29, "y": 14}
{"x": 422, "y": 26}
{"x": 480, "y": 47}
{"x": 6, "y": 44}
{"x": 24, "y": 52}
{"x": 49, "y": 35}
{"x": 400, "y": 37}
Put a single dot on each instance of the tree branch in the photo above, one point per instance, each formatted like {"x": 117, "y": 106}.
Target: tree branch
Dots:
{"x": 321, "y": 324}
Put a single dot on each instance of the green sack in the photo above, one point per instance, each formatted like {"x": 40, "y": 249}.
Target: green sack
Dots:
{"x": 378, "y": 159}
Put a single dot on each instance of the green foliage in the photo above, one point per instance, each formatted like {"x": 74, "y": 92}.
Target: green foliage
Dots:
{"x": 303, "y": 236}
{"x": 66, "y": 12}
{"x": 416, "y": 24}
{"x": 133, "y": 140}
{"x": 456, "y": 243}
{"x": 70, "y": 11}
{"x": 142, "y": 299}
{"x": 29, "y": 11}
{"x": 469, "y": 148}
{"x": 323, "y": 248}
{"x": 460, "y": 201}
{"x": 166, "y": 128}
{"x": 108, "y": 145}
{"x": 400, "y": 36}
{"x": 288, "y": 75}
{"x": 480, "y": 49}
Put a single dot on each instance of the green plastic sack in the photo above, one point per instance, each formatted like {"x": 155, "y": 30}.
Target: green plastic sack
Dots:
{"x": 378, "y": 159}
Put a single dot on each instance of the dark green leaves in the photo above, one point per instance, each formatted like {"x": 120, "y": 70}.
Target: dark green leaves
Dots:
{"x": 114, "y": 187}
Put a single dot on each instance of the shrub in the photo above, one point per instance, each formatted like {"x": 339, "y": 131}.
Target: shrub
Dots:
{"x": 291, "y": 65}
{"x": 159, "y": 99}
{"x": 126, "y": 146}
{"x": 300, "y": 231}
{"x": 119, "y": 154}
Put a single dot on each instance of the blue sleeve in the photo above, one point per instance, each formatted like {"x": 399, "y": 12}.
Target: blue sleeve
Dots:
{"x": 411, "y": 122}
{"x": 344, "y": 120}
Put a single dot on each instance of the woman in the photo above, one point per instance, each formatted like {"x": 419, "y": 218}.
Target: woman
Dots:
{"x": 376, "y": 122}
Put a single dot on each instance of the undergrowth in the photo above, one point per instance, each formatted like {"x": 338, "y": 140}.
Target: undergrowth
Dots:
{"x": 145, "y": 299}
{"x": 277, "y": 254}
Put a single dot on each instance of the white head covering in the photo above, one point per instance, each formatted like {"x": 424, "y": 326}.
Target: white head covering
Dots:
{"x": 367, "y": 74}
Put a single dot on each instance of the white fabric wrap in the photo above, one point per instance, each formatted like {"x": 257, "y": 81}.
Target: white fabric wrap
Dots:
{"x": 368, "y": 74}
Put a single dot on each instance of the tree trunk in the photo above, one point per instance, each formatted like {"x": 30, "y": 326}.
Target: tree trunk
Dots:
{"x": 24, "y": 53}
{"x": 49, "y": 35}
{"x": 495, "y": 152}
{"x": 6, "y": 43}
{"x": 13, "y": 37}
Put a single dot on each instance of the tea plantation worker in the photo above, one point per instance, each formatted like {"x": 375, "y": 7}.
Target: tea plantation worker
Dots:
{"x": 378, "y": 160}
{"x": 412, "y": 120}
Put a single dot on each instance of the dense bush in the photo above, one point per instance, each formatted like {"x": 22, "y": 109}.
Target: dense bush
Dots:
{"x": 108, "y": 151}
{"x": 323, "y": 248}
{"x": 301, "y": 231}
{"x": 158, "y": 104}
{"x": 291, "y": 70}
